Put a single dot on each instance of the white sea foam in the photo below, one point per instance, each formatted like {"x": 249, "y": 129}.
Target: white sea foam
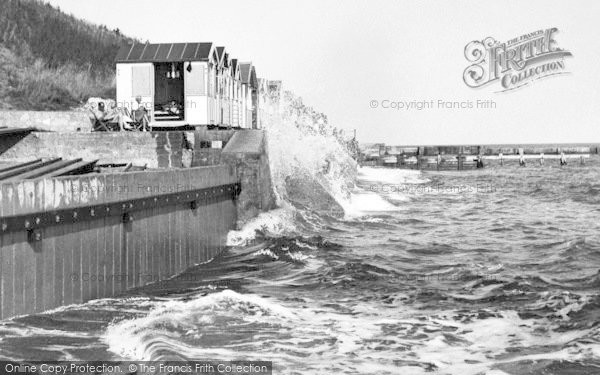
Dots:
{"x": 275, "y": 223}
{"x": 170, "y": 321}
{"x": 392, "y": 338}
{"x": 378, "y": 196}
{"x": 391, "y": 175}
{"x": 266, "y": 252}
{"x": 482, "y": 340}
{"x": 362, "y": 202}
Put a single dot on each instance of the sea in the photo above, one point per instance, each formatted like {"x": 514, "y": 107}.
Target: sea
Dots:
{"x": 369, "y": 271}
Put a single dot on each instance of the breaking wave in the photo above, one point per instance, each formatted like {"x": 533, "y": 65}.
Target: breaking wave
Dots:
{"x": 368, "y": 271}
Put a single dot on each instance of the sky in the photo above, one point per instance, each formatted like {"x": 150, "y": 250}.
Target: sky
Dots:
{"x": 352, "y": 59}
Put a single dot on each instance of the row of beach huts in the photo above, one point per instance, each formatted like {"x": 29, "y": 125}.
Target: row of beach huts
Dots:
{"x": 192, "y": 84}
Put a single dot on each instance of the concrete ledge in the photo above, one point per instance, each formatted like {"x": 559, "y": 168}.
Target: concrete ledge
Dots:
{"x": 249, "y": 142}
{"x": 55, "y": 121}
{"x": 153, "y": 149}
{"x": 246, "y": 151}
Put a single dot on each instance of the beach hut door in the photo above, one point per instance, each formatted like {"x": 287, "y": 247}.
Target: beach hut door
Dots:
{"x": 142, "y": 84}
{"x": 195, "y": 91}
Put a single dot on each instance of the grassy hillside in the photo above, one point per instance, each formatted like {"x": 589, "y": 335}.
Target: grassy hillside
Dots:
{"x": 51, "y": 60}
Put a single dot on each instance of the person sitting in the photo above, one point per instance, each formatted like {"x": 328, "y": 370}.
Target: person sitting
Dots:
{"x": 117, "y": 115}
{"x": 172, "y": 107}
{"x": 97, "y": 116}
{"x": 102, "y": 117}
{"x": 140, "y": 115}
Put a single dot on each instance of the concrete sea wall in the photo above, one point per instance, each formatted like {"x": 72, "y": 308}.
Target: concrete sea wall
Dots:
{"x": 76, "y": 238}
{"x": 246, "y": 151}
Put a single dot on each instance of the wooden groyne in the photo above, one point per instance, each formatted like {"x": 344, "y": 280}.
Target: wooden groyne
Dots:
{"x": 471, "y": 157}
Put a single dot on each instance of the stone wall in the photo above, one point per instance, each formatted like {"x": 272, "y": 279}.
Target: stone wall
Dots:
{"x": 203, "y": 144}
{"x": 55, "y": 121}
{"x": 152, "y": 149}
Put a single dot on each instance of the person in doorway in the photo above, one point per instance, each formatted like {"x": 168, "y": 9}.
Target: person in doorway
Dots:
{"x": 172, "y": 108}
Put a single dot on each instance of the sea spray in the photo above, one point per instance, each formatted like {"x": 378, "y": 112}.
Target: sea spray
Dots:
{"x": 311, "y": 168}
{"x": 278, "y": 222}
{"x": 307, "y": 156}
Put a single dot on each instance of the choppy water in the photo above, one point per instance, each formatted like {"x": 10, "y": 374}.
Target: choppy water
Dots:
{"x": 492, "y": 271}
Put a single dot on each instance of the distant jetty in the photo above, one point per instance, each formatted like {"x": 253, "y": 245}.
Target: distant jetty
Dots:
{"x": 458, "y": 157}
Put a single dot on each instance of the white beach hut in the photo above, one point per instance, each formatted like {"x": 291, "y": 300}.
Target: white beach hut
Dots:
{"x": 224, "y": 97}
{"x": 176, "y": 82}
{"x": 236, "y": 97}
{"x": 249, "y": 95}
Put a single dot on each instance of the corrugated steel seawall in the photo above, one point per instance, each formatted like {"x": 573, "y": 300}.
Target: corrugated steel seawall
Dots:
{"x": 72, "y": 239}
